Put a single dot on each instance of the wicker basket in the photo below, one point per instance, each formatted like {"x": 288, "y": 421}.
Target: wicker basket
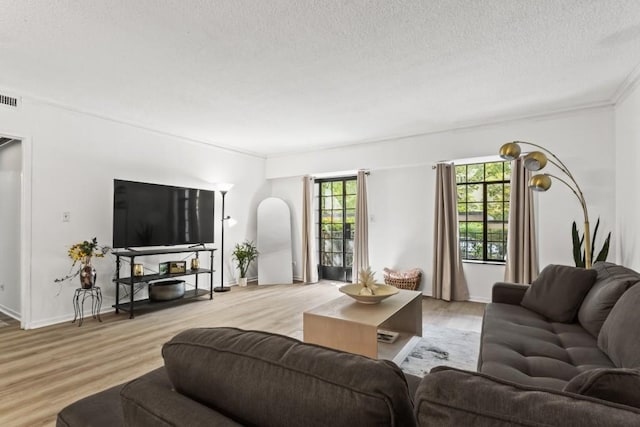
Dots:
{"x": 410, "y": 284}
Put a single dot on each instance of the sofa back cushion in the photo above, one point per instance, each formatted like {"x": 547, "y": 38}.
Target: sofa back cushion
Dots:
{"x": 454, "y": 398}
{"x": 619, "y": 337}
{"x": 258, "y": 378}
{"x": 558, "y": 292}
{"x": 612, "y": 281}
{"x": 615, "y": 385}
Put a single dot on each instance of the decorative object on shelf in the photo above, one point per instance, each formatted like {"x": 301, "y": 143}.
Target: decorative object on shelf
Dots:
{"x": 388, "y": 337}
{"x": 537, "y": 160}
{"x": 195, "y": 263}
{"x": 138, "y": 270}
{"x": 163, "y": 268}
{"x": 382, "y": 292}
{"x": 409, "y": 279}
{"x": 83, "y": 253}
{"x": 224, "y": 189}
{"x": 177, "y": 267}
{"x": 243, "y": 254}
{"x": 578, "y": 251}
{"x": 166, "y": 290}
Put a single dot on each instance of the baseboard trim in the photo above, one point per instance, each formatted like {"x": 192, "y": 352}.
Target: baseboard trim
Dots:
{"x": 472, "y": 298}
{"x": 483, "y": 300}
{"x": 9, "y": 312}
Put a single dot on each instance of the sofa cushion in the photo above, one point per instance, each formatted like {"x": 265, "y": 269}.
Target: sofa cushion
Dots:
{"x": 150, "y": 401}
{"x": 453, "y": 398}
{"x": 612, "y": 281}
{"x": 257, "y": 378}
{"x": 102, "y": 409}
{"x": 558, "y": 292}
{"x": 615, "y": 385}
{"x": 619, "y": 336}
{"x": 522, "y": 346}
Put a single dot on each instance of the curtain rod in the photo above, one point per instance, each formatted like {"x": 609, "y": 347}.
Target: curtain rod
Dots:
{"x": 470, "y": 161}
{"x": 439, "y": 162}
{"x": 339, "y": 174}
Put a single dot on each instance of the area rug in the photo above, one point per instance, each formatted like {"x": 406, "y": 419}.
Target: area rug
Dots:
{"x": 443, "y": 346}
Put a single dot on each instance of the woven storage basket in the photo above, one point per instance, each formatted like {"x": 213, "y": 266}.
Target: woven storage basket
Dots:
{"x": 410, "y": 284}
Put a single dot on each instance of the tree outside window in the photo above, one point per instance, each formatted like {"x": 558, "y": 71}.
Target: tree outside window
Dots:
{"x": 336, "y": 226}
{"x": 483, "y": 210}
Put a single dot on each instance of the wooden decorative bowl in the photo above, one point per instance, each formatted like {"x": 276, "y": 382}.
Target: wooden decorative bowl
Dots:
{"x": 382, "y": 292}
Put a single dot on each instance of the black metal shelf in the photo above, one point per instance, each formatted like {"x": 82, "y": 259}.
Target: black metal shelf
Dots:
{"x": 161, "y": 251}
{"x": 133, "y": 305}
{"x": 152, "y": 277}
{"x": 143, "y": 305}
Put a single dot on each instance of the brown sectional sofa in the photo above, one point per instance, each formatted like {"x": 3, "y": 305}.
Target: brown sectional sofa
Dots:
{"x": 527, "y": 348}
{"x": 533, "y": 372}
{"x": 227, "y": 376}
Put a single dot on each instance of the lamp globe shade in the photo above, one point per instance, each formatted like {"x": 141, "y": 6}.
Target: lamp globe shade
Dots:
{"x": 535, "y": 161}
{"x": 540, "y": 182}
{"x": 510, "y": 151}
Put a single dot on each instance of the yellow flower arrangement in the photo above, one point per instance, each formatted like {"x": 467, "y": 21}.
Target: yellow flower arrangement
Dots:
{"x": 84, "y": 251}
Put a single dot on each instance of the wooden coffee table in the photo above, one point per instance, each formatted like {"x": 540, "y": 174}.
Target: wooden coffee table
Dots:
{"x": 347, "y": 325}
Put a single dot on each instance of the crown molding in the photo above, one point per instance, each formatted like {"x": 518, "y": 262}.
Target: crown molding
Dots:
{"x": 457, "y": 127}
{"x": 56, "y": 104}
{"x": 627, "y": 86}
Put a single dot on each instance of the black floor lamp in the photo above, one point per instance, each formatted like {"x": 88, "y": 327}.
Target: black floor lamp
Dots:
{"x": 221, "y": 288}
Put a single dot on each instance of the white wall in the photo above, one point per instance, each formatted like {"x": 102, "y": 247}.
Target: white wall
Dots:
{"x": 10, "y": 194}
{"x": 627, "y": 128}
{"x": 401, "y": 187}
{"x": 74, "y": 159}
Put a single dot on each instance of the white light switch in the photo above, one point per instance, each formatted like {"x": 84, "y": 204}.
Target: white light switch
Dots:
{"x": 66, "y": 216}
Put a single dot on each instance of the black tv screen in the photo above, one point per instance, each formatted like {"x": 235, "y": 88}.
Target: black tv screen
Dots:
{"x": 160, "y": 215}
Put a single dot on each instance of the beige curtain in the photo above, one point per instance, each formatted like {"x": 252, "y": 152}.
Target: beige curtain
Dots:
{"x": 448, "y": 281}
{"x": 522, "y": 248}
{"x": 361, "y": 239}
{"x": 309, "y": 263}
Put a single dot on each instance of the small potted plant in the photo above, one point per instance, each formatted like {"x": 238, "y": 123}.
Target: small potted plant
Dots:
{"x": 243, "y": 254}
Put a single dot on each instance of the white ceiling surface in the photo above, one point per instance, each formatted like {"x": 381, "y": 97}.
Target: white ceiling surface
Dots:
{"x": 279, "y": 76}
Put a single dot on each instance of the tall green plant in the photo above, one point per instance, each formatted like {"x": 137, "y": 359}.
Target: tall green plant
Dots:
{"x": 243, "y": 254}
{"x": 578, "y": 250}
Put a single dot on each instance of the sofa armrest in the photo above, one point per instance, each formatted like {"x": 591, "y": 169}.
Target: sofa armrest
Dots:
{"x": 452, "y": 397}
{"x": 508, "y": 293}
{"x": 151, "y": 401}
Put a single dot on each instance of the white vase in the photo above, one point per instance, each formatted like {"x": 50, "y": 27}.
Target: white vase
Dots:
{"x": 242, "y": 281}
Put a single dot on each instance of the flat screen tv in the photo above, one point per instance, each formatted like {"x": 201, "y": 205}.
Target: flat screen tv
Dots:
{"x": 160, "y": 215}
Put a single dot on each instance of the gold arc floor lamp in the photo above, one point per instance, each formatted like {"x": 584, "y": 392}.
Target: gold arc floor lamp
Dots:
{"x": 535, "y": 161}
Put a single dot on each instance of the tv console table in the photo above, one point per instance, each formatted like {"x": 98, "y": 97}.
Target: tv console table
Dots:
{"x": 146, "y": 304}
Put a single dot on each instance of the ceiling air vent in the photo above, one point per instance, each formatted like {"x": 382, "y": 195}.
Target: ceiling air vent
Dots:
{"x": 8, "y": 101}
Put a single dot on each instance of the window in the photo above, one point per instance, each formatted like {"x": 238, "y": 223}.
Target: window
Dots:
{"x": 336, "y": 227}
{"x": 483, "y": 210}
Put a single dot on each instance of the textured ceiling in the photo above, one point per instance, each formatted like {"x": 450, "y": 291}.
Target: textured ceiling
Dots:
{"x": 279, "y": 76}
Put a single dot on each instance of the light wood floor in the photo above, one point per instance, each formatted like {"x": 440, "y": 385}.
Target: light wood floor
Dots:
{"x": 43, "y": 370}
